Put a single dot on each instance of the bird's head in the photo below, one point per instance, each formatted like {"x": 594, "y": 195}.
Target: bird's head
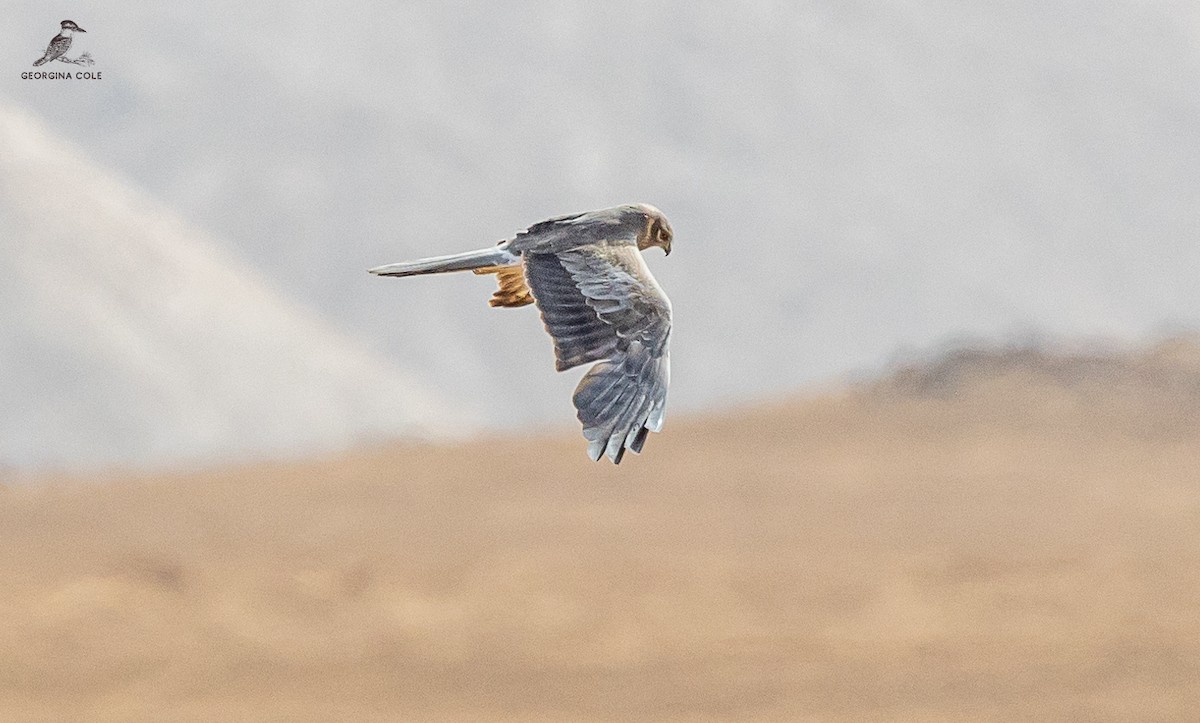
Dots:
{"x": 70, "y": 25}
{"x": 657, "y": 231}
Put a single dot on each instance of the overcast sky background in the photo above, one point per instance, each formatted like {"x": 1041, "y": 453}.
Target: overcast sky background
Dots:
{"x": 846, "y": 180}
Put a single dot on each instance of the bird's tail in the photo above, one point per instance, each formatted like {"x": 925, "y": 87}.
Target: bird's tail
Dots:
{"x": 38, "y": 62}
{"x": 493, "y": 256}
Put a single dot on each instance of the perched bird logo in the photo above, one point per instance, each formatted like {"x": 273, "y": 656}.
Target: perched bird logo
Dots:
{"x": 599, "y": 303}
{"x": 57, "y": 50}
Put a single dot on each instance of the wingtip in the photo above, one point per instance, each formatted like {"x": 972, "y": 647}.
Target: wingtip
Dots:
{"x": 615, "y": 448}
{"x": 640, "y": 440}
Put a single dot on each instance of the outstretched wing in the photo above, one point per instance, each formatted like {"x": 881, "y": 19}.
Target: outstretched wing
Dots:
{"x": 600, "y": 303}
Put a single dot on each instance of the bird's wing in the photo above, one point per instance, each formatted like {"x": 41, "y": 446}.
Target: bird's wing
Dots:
{"x": 59, "y": 45}
{"x": 600, "y": 303}
{"x": 571, "y": 231}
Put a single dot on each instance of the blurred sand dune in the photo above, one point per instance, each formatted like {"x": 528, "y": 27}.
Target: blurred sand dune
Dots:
{"x": 999, "y": 535}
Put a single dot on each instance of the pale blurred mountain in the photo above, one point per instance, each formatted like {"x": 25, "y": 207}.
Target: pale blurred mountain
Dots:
{"x": 127, "y": 337}
{"x": 844, "y": 179}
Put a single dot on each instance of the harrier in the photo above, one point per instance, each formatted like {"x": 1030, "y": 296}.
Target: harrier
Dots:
{"x": 598, "y": 302}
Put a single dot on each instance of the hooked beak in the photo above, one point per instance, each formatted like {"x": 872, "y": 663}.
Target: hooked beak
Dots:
{"x": 667, "y": 250}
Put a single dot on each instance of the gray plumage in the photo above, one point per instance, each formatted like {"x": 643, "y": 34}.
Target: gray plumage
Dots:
{"x": 494, "y": 256}
{"x": 599, "y": 302}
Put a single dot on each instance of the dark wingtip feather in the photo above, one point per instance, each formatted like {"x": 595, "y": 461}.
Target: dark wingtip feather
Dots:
{"x": 640, "y": 440}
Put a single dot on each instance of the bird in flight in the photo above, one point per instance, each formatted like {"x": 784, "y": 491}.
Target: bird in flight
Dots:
{"x": 599, "y": 302}
{"x": 60, "y": 44}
